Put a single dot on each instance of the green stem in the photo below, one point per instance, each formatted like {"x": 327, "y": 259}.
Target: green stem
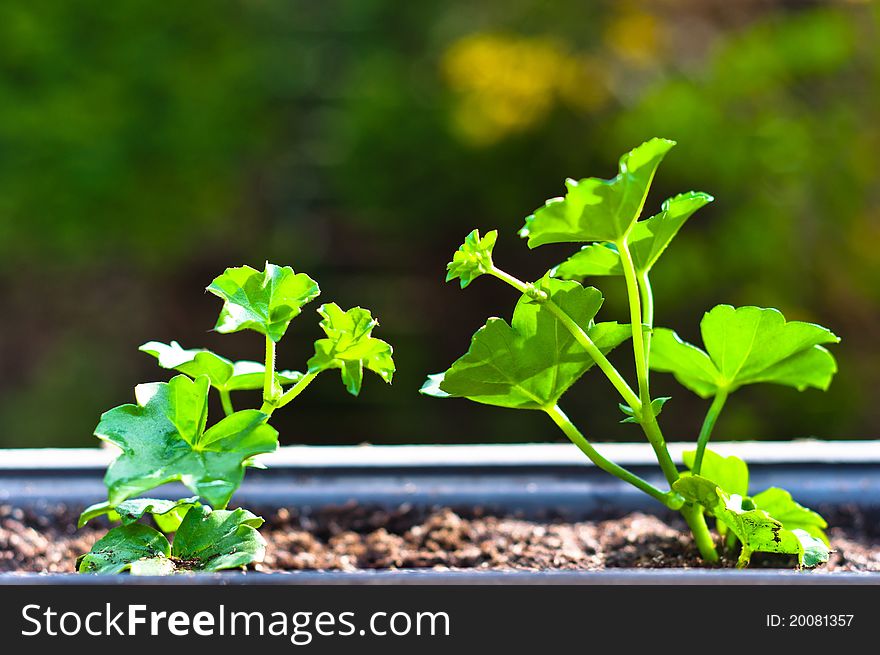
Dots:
{"x": 670, "y": 499}
{"x": 696, "y": 521}
{"x": 580, "y": 336}
{"x": 655, "y": 437}
{"x": 637, "y": 319}
{"x": 516, "y": 283}
{"x": 269, "y": 388}
{"x": 647, "y": 313}
{"x": 288, "y": 396}
{"x": 692, "y": 514}
{"x": 708, "y": 425}
{"x": 226, "y": 401}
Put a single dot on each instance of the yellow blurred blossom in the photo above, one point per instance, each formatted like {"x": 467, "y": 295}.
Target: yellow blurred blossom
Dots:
{"x": 507, "y": 83}
{"x": 634, "y": 36}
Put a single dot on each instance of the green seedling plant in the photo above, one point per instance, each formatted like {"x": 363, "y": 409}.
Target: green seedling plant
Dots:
{"x": 164, "y": 437}
{"x": 554, "y": 337}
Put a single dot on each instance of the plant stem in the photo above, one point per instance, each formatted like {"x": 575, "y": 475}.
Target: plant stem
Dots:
{"x": 580, "y": 336}
{"x": 226, "y": 401}
{"x": 515, "y": 282}
{"x": 269, "y": 376}
{"x": 696, "y": 521}
{"x": 693, "y": 514}
{"x": 637, "y": 319}
{"x": 270, "y": 406}
{"x": 708, "y": 425}
{"x": 647, "y": 313}
{"x": 655, "y": 437}
{"x": 670, "y": 499}
{"x": 637, "y": 322}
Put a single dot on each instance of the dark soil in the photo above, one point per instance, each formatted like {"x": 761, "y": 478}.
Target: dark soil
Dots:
{"x": 351, "y": 537}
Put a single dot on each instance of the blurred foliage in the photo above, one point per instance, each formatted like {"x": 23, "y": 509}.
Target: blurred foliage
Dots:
{"x": 145, "y": 147}
{"x": 124, "y": 128}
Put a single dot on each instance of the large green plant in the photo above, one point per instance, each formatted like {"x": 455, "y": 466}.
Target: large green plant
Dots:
{"x": 164, "y": 436}
{"x": 554, "y": 338}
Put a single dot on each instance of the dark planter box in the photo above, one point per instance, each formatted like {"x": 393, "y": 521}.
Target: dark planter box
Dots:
{"x": 532, "y": 481}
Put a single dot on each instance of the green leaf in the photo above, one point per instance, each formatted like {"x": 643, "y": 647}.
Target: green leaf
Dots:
{"x": 170, "y": 521}
{"x": 431, "y": 386}
{"x": 248, "y": 376}
{"x": 262, "y": 301}
{"x": 781, "y": 506}
{"x": 756, "y": 529}
{"x": 647, "y": 241}
{"x": 599, "y": 210}
{"x": 123, "y": 546}
{"x": 730, "y": 473}
{"x": 656, "y": 407}
{"x": 815, "y": 550}
{"x": 154, "y": 566}
{"x": 697, "y": 489}
{"x": 220, "y": 539}
{"x": 473, "y": 258}
{"x": 649, "y": 238}
{"x": 207, "y": 540}
{"x": 223, "y": 373}
{"x": 163, "y": 439}
{"x": 746, "y": 345}
{"x": 530, "y": 363}
{"x": 691, "y": 366}
{"x": 350, "y": 347}
{"x": 130, "y": 511}
{"x": 193, "y": 362}
{"x": 597, "y": 259}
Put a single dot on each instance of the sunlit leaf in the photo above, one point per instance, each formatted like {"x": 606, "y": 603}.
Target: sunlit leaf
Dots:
{"x": 350, "y": 346}
{"x": 597, "y": 259}
{"x": 529, "y": 363}
{"x": 130, "y": 511}
{"x": 473, "y": 258}
{"x": 755, "y": 528}
{"x": 247, "y": 375}
{"x": 121, "y": 547}
{"x": 647, "y": 241}
{"x": 163, "y": 439}
{"x": 262, "y": 301}
{"x": 730, "y": 473}
{"x": 815, "y": 549}
{"x": 154, "y": 566}
{"x": 794, "y": 516}
{"x": 207, "y": 540}
{"x": 223, "y": 373}
{"x": 594, "y": 209}
{"x": 170, "y": 521}
{"x": 746, "y": 345}
{"x": 220, "y": 539}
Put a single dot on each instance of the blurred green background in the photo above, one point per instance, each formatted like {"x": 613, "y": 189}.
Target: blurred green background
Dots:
{"x": 146, "y": 146}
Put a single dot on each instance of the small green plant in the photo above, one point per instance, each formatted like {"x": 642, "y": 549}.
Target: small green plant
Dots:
{"x": 554, "y": 338}
{"x": 164, "y": 436}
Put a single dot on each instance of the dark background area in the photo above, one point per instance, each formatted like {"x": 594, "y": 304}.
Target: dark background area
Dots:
{"x": 146, "y": 146}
